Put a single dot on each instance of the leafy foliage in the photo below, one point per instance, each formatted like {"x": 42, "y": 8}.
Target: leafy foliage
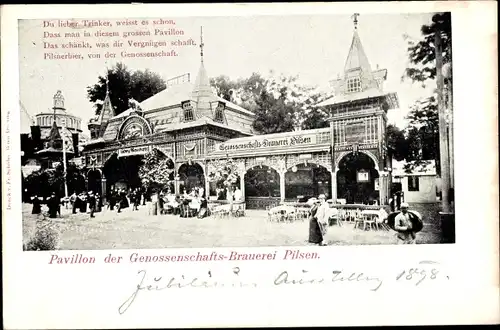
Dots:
{"x": 279, "y": 102}
{"x": 125, "y": 85}
{"x": 422, "y": 133}
{"x": 396, "y": 142}
{"x": 225, "y": 173}
{"x": 46, "y": 237}
{"x": 47, "y": 180}
{"x": 421, "y": 53}
{"x": 315, "y": 119}
{"x": 156, "y": 171}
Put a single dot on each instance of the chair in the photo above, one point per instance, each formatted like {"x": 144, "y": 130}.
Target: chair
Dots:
{"x": 214, "y": 210}
{"x": 335, "y": 219}
{"x": 240, "y": 210}
{"x": 358, "y": 222}
{"x": 186, "y": 211}
{"x": 369, "y": 223}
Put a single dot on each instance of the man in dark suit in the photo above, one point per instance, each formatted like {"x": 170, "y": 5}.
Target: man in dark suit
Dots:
{"x": 92, "y": 203}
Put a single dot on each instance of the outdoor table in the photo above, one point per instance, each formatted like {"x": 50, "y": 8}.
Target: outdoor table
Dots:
{"x": 282, "y": 210}
{"x": 373, "y": 215}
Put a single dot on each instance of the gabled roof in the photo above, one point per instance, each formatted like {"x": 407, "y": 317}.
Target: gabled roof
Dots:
{"x": 176, "y": 94}
{"x": 54, "y": 134}
{"x": 204, "y": 121}
{"x": 342, "y": 98}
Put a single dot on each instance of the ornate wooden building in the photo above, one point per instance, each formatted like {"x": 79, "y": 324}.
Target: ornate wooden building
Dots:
{"x": 355, "y": 168}
{"x": 192, "y": 126}
{"x": 358, "y": 112}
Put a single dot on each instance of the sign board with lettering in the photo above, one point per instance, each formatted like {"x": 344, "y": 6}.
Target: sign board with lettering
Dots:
{"x": 133, "y": 151}
{"x": 263, "y": 143}
{"x": 363, "y": 176}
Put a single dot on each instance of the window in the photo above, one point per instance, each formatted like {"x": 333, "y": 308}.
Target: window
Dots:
{"x": 353, "y": 85}
{"x": 413, "y": 184}
{"x": 219, "y": 113}
{"x": 188, "y": 111}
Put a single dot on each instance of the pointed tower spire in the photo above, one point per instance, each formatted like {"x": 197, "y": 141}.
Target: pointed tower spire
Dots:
{"x": 201, "y": 43}
{"x": 107, "y": 111}
{"x": 358, "y": 61}
{"x": 202, "y": 93}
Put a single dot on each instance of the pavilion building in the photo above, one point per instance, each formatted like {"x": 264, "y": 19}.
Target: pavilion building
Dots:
{"x": 348, "y": 161}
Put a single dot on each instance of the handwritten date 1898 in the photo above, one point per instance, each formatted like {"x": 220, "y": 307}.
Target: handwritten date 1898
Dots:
{"x": 427, "y": 270}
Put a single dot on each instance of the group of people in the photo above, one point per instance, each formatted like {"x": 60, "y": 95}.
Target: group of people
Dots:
{"x": 223, "y": 194}
{"x": 77, "y": 201}
{"x": 82, "y": 200}
{"x": 319, "y": 220}
{"x": 189, "y": 203}
{"x": 53, "y": 203}
{"x": 121, "y": 199}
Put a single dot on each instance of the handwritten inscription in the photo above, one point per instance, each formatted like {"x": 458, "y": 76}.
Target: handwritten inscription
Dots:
{"x": 419, "y": 274}
{"x": 425, "y": 271}
{"x": 337, "y": 276}
{"x": 160, "y": 283}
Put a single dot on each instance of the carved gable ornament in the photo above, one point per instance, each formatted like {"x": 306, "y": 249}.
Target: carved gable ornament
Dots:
{"x": 134, "y": 127}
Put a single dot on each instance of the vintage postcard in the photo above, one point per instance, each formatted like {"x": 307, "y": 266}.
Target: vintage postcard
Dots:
{"x": 249, "y": 165}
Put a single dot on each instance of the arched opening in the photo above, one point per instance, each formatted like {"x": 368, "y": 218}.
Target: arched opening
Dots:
{"x": 356, "y": 179}
{"x": 94, "y": 181}
{"x": 122, "y": 172}
{"x": 304, "y": 181}
{"x": 262, "y": 181}
{"x": 157, "y": 171}
{"x": 262, "y": 187}
{"x": 190, "y": 176}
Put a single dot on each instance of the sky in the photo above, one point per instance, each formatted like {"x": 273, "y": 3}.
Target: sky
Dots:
{"x": 313, "y": 47}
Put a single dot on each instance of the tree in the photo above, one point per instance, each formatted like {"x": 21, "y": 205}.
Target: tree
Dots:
{"x": 279, "y": 102}
{"x": 273, "y": 115}
{"x": 124, "y": 85}
{"x": 423, "y": 129}
{"x": 423, "y": 133}
{"x": 225, "y": 173}
{"x": 224, "y": 87}
{"x": 421, "y": 53}
{"x": 396, "y": 142}
{"x": 315, "y": 119}
{"x": 156, "y": 170}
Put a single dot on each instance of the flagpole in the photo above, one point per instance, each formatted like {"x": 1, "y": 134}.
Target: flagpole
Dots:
{"x": 64, "y": 158}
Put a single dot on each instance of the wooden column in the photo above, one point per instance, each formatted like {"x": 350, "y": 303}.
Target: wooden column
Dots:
{"x": 176, "y": 182}
{"x": 333, "y": 169}
{"x": 443, "y": 132}
{"x": 282, "y": 185}
{"x": 382, "y": 187}
{"x": 103, "y": 188}
{"x": 334, "y": 184}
